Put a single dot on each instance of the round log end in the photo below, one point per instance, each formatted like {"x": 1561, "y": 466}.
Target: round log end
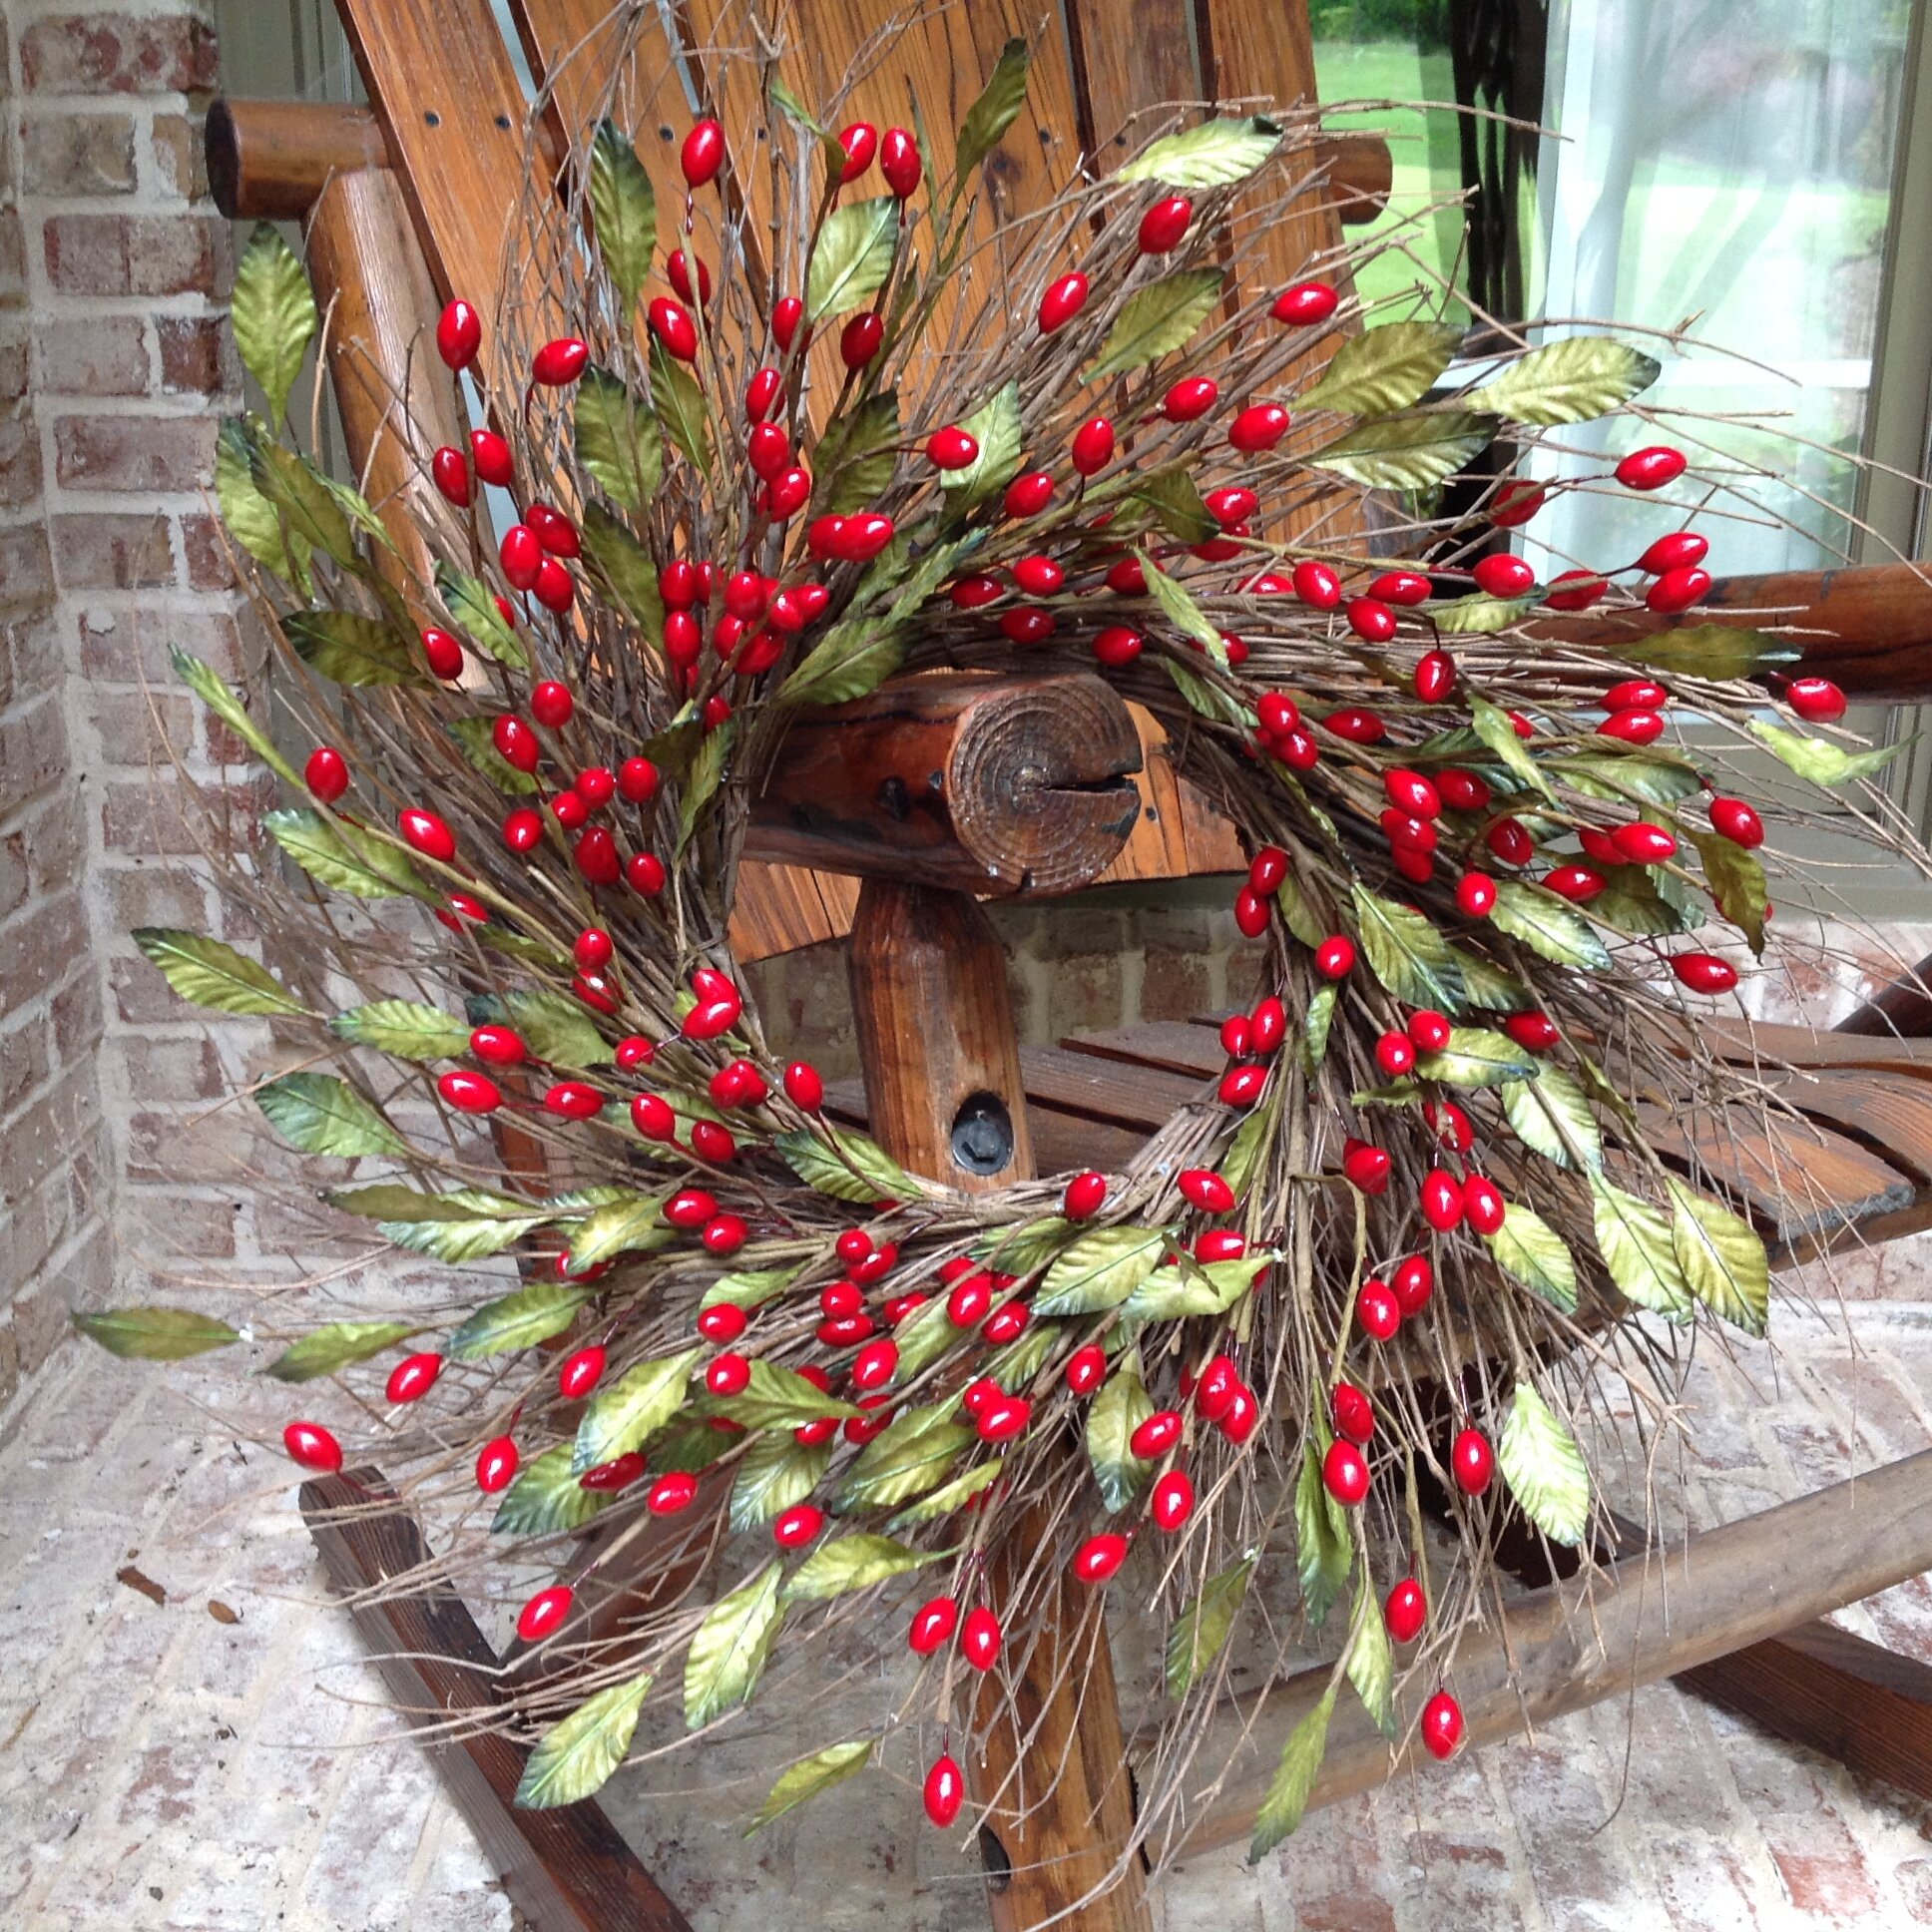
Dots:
{"x": 1040, "y": 783}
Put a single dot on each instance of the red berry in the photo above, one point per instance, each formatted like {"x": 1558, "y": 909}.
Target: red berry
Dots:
{"x": 1441, "y": 1725}
{"x": 1093, "y": 445}
{"x": 1413, "y": 1282}
{"x": 1305, "y": 303}
{"x": 1356, "y": 726}
{"x": 899, "y": 162}
{"x": 1191, "y": 399}
{"x": 1004, "y": 1419}
{"x": 1395, "y": 1054}
{"x": 702, "y": 153}
{"x": 1435, "y": 677}
{"x": 1651, "y": 468}
{"x": 619, "y": 1473}
{"x": 860, "y": 141}
{"x": 1471, "y": 1462}
{"x": 1164, "y": 224}
{"x": 470, "y": 1093}
{"x": 554, "y": 531}
{"x": 1258, "y": 427}
{"x": 544, "y": 1612}
{"x": 500, "y": 1046}
{"x": 1038, "y": 576}
{"x": 1242, "y": 1417}
{"x": 875, "y": 1364}
{"x": 459, "y": 334}
{"x": 1442, "y": 1202}
{"x": 1575, "y": 590}
{"x": 674, "y": 1491}
{"x": 1366, "y": 1167}
{"x": 646, "y": 873}
{"x": 944, "y": 1793}
{"x": 1172, "y": 1501}
{"x": 326, "y": 773}
{"x": 1086, "y": 1368}
{"x": 496, "y": 1465}
{"x": 1535, "y": 1031}
{"x": 727, "y": 1374}
{"x": 1676, "y": 589}
{"x": 1344, "y": 1470}
{"x": 796, "y": 1526}
{"x": 1737, "y": 821}
{"x": 558, "y": 364}
{"x": 491, "y": 455}
{"x": 1335, "y": 956}
{"x": 550, "y": 704}
{"x": 451, "y": 474}
{"x": 803, "y": 1087}
{"x": 312, "y": 1447}
{"x": 1116, "y": 647}
{"x": 787, "y": 313}
{"x": 442, "y": 654}
{"x": 1516, "y": 501}
{"x": 1815, "y": 700}
{"x": 1085, "y": 1193}
{"x": 677, "y": 266}
{"x": 932, "y": 1623}
{"x": 1429, "y": 1029}
{"x": 1316, "y": 585}
{"x": 724, "y": 1322}
{"x": 953, "y": 448}
{"x": 1406, "y": 1611}
{"x": 979, "y": 1638}
{"x": 1503, "y": 575}
{"x": 1378, "y": 1310}
{"x": 1099, "y": 1556}
{"x": 1354, "y": 1412}
{"x": 1203, "y": 1188}
{"x": 861, "y": 338}
{"x": 1157, "y": 1435}
{"x": 1578, "y": 883}
{"x": 1063, "y": 301}
{"x": 580, "y": 1373}
{"x": 1704, "y": 972}
{"x": 1674, "y": 552}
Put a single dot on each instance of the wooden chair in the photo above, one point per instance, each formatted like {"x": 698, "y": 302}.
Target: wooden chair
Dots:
{"x": 406, "y": 203}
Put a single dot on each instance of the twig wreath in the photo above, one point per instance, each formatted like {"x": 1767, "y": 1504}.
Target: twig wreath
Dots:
{"x": 824, "y": 425}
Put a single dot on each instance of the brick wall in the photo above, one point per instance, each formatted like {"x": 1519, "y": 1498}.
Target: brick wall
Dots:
{"x": 114, "y": 372}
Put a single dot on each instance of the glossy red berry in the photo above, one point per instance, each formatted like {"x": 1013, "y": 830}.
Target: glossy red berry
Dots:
{"x": 787, "y": 313}
{"x": 1429, "y": 1029}
{"x": 1316, "y": 585}
{"x": 1305, "y": 303}
{"x": 1172, "y": 1501}
{"x": 1258, "y": 427}
{"x": 496, "y": 1465}
{"x": 861, "y": 338}
{"x": 1674, "y": 552}
{"x": 675, "y": 1490}
{"x": 944, "y": 1791}
{"x": 1370, "y": 620}
{"x": 1335, "y": 956}
{"x": 450, "y": 472}
{"x": 1063, "y": 301}
{"x": 1815, "y": 700}
{"x": 580, "y": 1373}
{"x": 1472, "y": 1461}
{"x": 702, "y": 153}
{"x": 1001, "y": 1420}
{"x": 1242, "y": 1415}
{"x": 979, "y": 1638}
{"x": 1344, "y": 1472}
{"x": 1093, "y": 447}
{"x": 796, "y": 1527}
{"x": 1154, "y": 1437}
{"x": 1191, "y": 399}
{"x": 1503, "y": 575}
{"x": 1357, "y": 725}
{"x": 952, "y": 448}
{"x": 1516, "y": 501}
{"x": 1100, "y": 1557}
{"x": 1164, "y": 224}
{"x": 1086, "y": 1368}
{"x": 1354, "y": 1412}
{"x": 1203, "y": 1188}
{"x": 1678, "y": 589}
{"x": 1737, "y": 821}
{"x": 723, "y": 1323}
{"x": 860, "y": 141}
{"x": 550, "y": 704}
{"x": 1406, "y": 1611}
{"x": 1377, "y": 1311}
{"x": 491, "y": 456}
{"x": 1413, "y": 1282}
{"x": 1441, "y": 1725}
{"x": 312, "y": 1447}
{"x": 470, "y": 1093}
{"x": 1704, "y": 972}
{"x": 1366, "y": 1167}
{"x": 442, "y": 654}
{"x": 558, "y": 364}
{"x": 459, "y": 334}
{"x": 1085, "y": 1193}
{"x": 326, "y": 773}
{"x": 1441, "y": 1201}
{"x": 933, "y": 1623}
{"x": 1651, "y": 468}
{"x": 544, "y": 1612}
{"x": 1483, "y": 1204}
{"x": 413, "y": 1377}
{"x": 1435, "y": 677}
{"x": 1575, "y": 590}
{"x": 1395, "y": 1054}
{"x": 899, "y": 162}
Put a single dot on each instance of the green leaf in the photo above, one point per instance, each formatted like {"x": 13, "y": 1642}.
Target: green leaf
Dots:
{"x": 338, "y": 1344}
{"x": 301, "y": 496}
{"x": 1821, "y": 761}
{"x": 1298, "y": 915}
{"x": 624, "y": 212}
{"x": 1169, "y": 493}
{"x": 853, "y": 462}
{"x": 1100, "y": 1270}
{"x": 1208, "y": 699}
{"x": 391, "y": 1201}
{"x": 547, "y": 1497}
{"x": 274, "y": 314}
{"x": 781, "y": 1398}
{"x": 995, "y": 425}
{"x": 1180, "y": 609}
{"x": 251, "y": 520}
{"x": 475, "y": 738}
{"x": 997, "y": 108}
{"x": 520, "y": 1320}
{"x": 577, "y": 1757}
{"x": 1384, "y": 369}
{"x": 318, "y": 1113}
{"x": 1405, "y": 452}
{"x": 1723, "y": 1260}
{"x": 155, "y": 1334}
{"x": 1637, "y": 773}
{"x": 912, "y": 1456}
{"x": 680, "y": 407}
{"x": 1547, "y": 925}
{"x": 852, "y": 660}
{"x": 1189, "y": 1287}
{"x": 1488, "y": 986}
{"x": 853, "y": 257}
{"x": 925, "y": 1335}
{"x": 617, "y": 439}
{"x": 949, "y": 1496}
{"x": 212, "y": 690}
{"x": 1635, "y": 1240}
{"x": 1323, "y": 1553}
{"x": 630, "y": 1225}
{"x": 1025, "y": 1246}
{"x": 1632, "y": 902}
{"x": 1243, "y": 1156}
{"x": 1478, "y": 616}
{"x": 555, "y": 1028}
{"x": 1314, "y": 1027}
{"x": 404, "y": 1029}
{"x": 629, "y": 1411}
{"x": 1737, "y": 887}
{"x": 750, "y": 1288}
{"x": 1408, "y": 954}
{"x": 1575, "y": 379}
{"x": 810, "y": 1776}
{"x": 775, "y": 1472}
{"x": 1294, "y": 1780}
{"x": 1369, "y": 1662}
{"x": 1201, "y": 1630}
{"x": 210, "y": 974}
{"x": 1529, "y": 1248}
{"x": 1156, "y": 320}
{"x": 1544, "y": 1468}
{"x": 1552, "y": 1115}
{"x": 1492, "y": 725}
{"x": 1120, "y": 1408}
{"x": 728, "y": 1655}
{"x": 1713, "y": 651}
{"x": 1477, "y": 1057}
{"x": 853, "y": 1563}
{"x": 353, "y": 650}
{"x": 471, "y": 608}
{"x": 866, "y": 1173}
{"x": 1218, "y": 154}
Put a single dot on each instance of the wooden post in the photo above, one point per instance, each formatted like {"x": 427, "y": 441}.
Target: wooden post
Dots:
{"x": 942, "y": 1078}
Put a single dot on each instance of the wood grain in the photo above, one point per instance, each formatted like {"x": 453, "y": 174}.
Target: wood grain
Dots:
{"x": 269, "y": 160}
{"x": 565, "y": 1870}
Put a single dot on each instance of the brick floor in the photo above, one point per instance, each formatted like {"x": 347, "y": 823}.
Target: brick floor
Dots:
{"x": 165, "y": 1769}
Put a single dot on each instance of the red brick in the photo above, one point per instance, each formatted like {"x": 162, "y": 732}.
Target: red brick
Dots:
{"x": 94, "y": 355}
{"x": 77, "y": 1018}
{"x": 26, "y": 569}
{"x": 137, "y": 726}
{"x": 134, "y": 454}
{"x": 110, "y": 551}
{"x": 33, "y": 748}
{"x": 16, "y": 881}
{"x": 13, "y": 257}
{"x": 152, "y": 894}
{"x": 205, "y": 544}
{"x": 132, "y": 646}
{"x": 198, "y": 356}
{"x": 162, "y": 1070}
{"x": 181, "y": 157}
{"x": 183, "y": 1225}
{"x": 54, "y": 841}
{"x": 38, "y": 949}
{"x": 25, "y": 1060}
{"x": 115, "y": 53}
{"x": 19, "y": 461}
{"x": 135, "y": 254}
{"x": 138, "y": 815}
{"x": 15, "y": 364}
{"x": 66, "y": 155}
